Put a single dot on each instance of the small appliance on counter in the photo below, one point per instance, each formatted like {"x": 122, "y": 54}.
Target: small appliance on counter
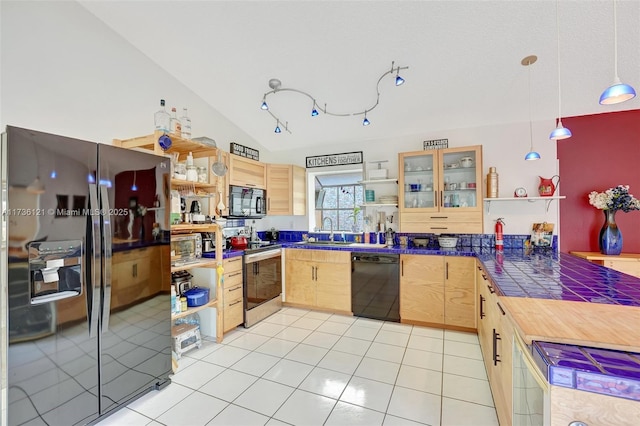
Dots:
{"x": 182, "y": 281}
{"x": 272, "y": 235}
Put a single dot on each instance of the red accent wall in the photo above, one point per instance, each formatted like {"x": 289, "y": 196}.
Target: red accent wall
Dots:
{"x": 603, "y": 152}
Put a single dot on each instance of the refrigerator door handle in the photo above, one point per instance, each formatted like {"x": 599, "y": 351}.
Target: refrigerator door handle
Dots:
{"x": 93, "y": 310}
{"x": 106, "y": 237}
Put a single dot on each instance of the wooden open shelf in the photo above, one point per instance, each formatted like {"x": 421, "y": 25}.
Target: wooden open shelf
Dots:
{"x": 211, "y": 304}
{"x": 182, "y": 146}
{"x": 208, "y": 263}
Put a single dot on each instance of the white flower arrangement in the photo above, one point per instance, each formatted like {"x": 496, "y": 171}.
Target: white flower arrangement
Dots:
{"x": 614, "y": 199}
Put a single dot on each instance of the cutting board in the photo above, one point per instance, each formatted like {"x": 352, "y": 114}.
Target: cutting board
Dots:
{"x": 575, "y": 323}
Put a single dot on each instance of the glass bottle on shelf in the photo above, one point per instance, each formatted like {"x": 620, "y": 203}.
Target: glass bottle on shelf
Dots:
{"x": 186, "y": 124}
{"x": 176, "y": 126}
{"x": 162, "y": 119}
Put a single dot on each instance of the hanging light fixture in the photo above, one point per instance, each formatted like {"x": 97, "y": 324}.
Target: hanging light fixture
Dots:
{"x": 618, "y": 91}
{"x": 531, "y": 155}
{"x": 134, "y": 187}
{"x": 276, "y": 86}
{"x": 560, "y": 132}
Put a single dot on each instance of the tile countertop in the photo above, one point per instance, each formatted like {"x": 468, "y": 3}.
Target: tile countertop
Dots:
{"x": 544, "y": 274}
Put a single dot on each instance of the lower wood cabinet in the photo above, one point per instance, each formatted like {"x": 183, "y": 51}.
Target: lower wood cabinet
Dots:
{"x": 232, "y": 294}
{"x": 137, "y": 274}
{"x": 318, "y": 279}
{"x": 570, "y": 405}
{"x": 495, "y": 333}
{"x": 438, "y": 290}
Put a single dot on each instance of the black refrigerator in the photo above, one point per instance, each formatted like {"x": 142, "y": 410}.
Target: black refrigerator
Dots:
{"x": 85, "y": 335}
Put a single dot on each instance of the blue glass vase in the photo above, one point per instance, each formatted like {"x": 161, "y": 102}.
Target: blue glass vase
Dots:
{"x": 610, "y": 240}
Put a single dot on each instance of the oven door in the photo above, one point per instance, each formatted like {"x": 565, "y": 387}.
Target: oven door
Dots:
{"x": 262, "y": 285}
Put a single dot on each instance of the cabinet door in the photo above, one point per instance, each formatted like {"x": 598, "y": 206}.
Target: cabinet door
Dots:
{"x": 418, "y": 181}
{"x": 422, "y": 288}
{"x": 482, "y": 317}
{"x": 333, "y": 282}
{"x": 279, "y": 189}
{"x": 459, "y": 169}
{"x": 300, "y": 287}
{"x": 247, "y": 172}
{"x": 504, "y": 369}
{"x": 460, "y": 291}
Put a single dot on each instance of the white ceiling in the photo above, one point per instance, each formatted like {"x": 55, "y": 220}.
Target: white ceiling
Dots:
{"x": 464, "y": 59}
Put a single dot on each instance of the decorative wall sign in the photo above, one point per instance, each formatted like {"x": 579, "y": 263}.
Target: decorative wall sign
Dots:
{"x": 245, "y": 151}
{"x": 436, "y": 144}
{"x": 334, "y": 159}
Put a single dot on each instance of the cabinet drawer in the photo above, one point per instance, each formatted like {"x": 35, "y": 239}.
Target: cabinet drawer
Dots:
{"x": 232, "y": 265}
{"x": 233, "y": 316}
{"x": 233, "y": 278}
{"x": 440, "y": 227}
{"x": 298, "y": 254}
{"x": 233, "y": 294}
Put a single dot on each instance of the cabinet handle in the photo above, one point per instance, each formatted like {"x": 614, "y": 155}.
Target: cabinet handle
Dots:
{"x": 446, "y": 270}
{"x": 402, "y": 268}
{"x": 484, "y": 277}
{"x": 235, "y": 303}
{"x": 439, "y": 227}
{"x": 482, "y": 315}
{"x": 135, "y": 270}
{"x": 441, "y": 198}
{"x": 269, "y": 203}
{"x": 237, "y": 259}
{"x": 234, "y": 274}
{"x": 235, "y": 288}
{"x": 250, "y": 184}
{"x": 496, "y": 357}
{"x": 491, "y": 290}
{"x": 313, "y": 277}
{"x": 501, "y": 310}
{"x": 316, "y": 268}
{"x": 439, "y": 217}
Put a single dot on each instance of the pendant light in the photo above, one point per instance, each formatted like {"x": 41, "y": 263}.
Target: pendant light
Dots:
{"x": 531, "y": 155}
{"x": 134, "y": 187}
{"x": 560, "y": 132}
{"x": 618, "y": 91}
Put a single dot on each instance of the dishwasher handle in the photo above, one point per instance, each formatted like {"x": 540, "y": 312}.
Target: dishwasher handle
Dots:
{"x": 374, "y": 258}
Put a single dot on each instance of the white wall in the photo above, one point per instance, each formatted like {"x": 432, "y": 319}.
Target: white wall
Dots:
{"x": 63, "y": 71}
{"x": 503, "y": 147}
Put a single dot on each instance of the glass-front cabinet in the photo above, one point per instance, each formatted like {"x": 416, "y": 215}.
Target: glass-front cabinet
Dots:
{"x": 433, "y": 182}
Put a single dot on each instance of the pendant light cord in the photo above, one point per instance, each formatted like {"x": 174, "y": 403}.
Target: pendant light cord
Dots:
{"x": 615, "y": 42}
{"x": 530, "y": 125}
{"x": 559, "y": 80}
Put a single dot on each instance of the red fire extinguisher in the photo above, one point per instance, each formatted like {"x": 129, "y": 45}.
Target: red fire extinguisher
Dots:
{"x": 499, "y": 237}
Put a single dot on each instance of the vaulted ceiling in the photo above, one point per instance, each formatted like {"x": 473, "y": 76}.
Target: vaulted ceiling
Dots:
{"x": 463, "y": 58}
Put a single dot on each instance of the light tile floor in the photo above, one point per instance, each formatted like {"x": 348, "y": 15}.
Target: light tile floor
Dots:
{"x": 301, "y": 367}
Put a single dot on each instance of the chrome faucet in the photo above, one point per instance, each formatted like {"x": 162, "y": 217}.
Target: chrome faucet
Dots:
{"x": 330, "y": 225}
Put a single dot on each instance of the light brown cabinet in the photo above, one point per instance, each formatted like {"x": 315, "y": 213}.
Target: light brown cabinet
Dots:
{"x": 232, "y": 294}
{"x": 495, "y": 333}
{"x": 628, "y": 263}
{"x": 438, "y": 290}
{"x": 247, "y": 172}
{"x": 318, "y": 279}
{"x": 286, "y": 190}
{"x": 440, "y": 191}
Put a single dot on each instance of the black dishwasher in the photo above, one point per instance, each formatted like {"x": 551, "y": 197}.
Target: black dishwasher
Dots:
{"x": 375, "y": 286}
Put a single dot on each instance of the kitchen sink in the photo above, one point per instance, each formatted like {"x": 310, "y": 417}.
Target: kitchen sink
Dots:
{"x": 326, "y": 243}
{"x": 340, "y": 244}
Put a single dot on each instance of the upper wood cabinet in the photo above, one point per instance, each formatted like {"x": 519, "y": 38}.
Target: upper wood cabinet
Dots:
{"x": 286, "y": 190}
{"x": 247, "y": 172}
{"x": 440, "y": 191}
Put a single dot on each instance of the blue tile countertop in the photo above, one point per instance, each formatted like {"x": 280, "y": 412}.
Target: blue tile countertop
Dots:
{"x": 546, "y": 274}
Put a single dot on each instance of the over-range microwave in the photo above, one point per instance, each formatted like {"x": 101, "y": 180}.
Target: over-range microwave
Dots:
{"x": 245, "y": 202}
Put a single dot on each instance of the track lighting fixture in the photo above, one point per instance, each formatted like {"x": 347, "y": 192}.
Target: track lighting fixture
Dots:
{"x": 618, "y": 91}
{"x": 276, "y": 86}
{"x": 531, "y": 155}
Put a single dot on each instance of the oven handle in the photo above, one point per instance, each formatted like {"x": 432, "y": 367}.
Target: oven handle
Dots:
{"x": 256, "y": 257}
